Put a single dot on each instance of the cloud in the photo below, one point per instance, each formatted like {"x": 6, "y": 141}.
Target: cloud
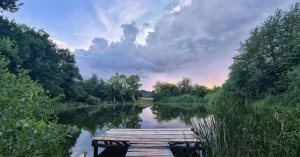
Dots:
{"x": 112, "y": 14}
{"x": 80, "y": 34}
{"x": 60, "y": 44}
{"x": 196, "y": 41}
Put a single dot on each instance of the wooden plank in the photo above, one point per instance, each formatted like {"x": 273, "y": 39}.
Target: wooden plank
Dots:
{"x": 145, "y": 130}
{"x": 149, "y": 136}
{"x": 150, "y": 145}
{"x": 172, "y": 129}
{"x": 150, "y": 153}
{"x": 152, "y": 132}
{"x": 145, "y": 140}
{"x": 151, "y": 156}
{"x": 161, "y": 151}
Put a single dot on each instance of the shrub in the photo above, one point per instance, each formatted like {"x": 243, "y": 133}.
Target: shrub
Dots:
{"x": 91, "y": 100}
{"x": 187, "y": 98}
{"x": 24, "y": 113}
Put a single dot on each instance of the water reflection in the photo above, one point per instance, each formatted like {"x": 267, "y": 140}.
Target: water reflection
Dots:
{"x": 95, "y": 121}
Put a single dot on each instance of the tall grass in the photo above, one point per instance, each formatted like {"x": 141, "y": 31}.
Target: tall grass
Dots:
{"x": 251, "y": 129}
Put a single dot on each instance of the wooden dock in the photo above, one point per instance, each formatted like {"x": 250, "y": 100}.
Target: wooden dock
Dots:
{"x": 148, "y": 142}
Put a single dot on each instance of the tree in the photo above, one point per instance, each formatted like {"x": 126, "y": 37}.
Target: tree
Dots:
{"x": 185, "y": 86}
{"x": 118, "y": 83}
{"x": 9, "y": 49}
{"x": 91, "y": 84}
{"x": 133, "y": 85}
{"x": 10, "y": 5}
{"x": 200, "y": 91}
{"x": 164, "y": 89}
{"x": 70, "y": 75}
{"x": 265, "y": 58}
{"x": 54, "y": 68}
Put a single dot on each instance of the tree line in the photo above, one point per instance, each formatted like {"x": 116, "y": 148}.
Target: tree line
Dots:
{"x": 55, "y": 68}
{"x": 162, "y": 90}
{"x": 117, "y": 88}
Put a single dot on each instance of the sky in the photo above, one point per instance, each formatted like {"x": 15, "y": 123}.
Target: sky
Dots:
{"x": 162, "y": 40}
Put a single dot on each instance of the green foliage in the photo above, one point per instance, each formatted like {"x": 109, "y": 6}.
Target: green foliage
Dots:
{"x": 118, "y": 83}
{"x": 257, "y": 112}
{"x": 98, "y": 117}
{"x": 185, "y": 86}
{"x": 183, "y": 112}
{"x": 24, "y": 113}
{"x": 164, "y": 89}
{"x": 133, "y": 85}
{"x": 117, "y": 88}
{"x": 146, "y": 94}
{"x": 187, "y": 98}
{"x": 32, "y": 50}
{"x": 10, "y": 5}
{"x": 166, "y": 92}
{"x": 265, "y": 58}
{"x": 93, "y": 100}
{"x": 254, "y": 129}
{"x": 200, "y": 91}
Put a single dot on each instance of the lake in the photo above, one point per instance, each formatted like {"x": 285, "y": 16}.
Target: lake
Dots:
{"x": 94, "y": 121}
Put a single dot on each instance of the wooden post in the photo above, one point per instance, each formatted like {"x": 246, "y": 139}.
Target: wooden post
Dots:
{"x": 95, "y": 148}
{"x": 200, "y": 153}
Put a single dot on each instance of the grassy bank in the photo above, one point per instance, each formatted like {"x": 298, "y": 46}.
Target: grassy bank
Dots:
{"x": 251, "y": 129}
{"x": 187, "y": 98}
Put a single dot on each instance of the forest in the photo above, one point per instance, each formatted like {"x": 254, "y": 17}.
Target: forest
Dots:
{"x": 256, "y": 112}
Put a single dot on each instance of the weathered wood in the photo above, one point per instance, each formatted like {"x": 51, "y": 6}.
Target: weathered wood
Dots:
{"x": 125, "y": 143}
{"x": 152, "y": 132}
{"x": 145, "y": 142}
{"x": 151, "y": 152}
{"x": 150, "y": 155}
{"x": 95, "y": 145}
{"x": 147, "y": 150}
{"x": 129, "y": 136}
{"x": 149, "y": 136}
{"x": 149, "y": 145}
{"x": 143, "y": 139}
{"x": 148, "y": 142}
{"x": 172, "y": 129}
{"x": 110, "y": 145}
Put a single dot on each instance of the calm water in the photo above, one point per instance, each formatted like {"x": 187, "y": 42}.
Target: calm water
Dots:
{"x": 95, "y": 121}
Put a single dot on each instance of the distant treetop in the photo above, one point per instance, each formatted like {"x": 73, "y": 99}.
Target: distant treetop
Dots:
{"x": 10, "y": 5}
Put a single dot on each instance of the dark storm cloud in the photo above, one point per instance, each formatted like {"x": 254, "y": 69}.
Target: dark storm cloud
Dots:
{"x": 205, "y": 27}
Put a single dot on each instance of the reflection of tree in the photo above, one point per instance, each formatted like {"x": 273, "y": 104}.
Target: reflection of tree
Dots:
{"x": 93, "y": 118}
{"x": 165, "y": 113}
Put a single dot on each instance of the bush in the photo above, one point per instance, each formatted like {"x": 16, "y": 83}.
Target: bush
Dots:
{"x": 187, "y": 98}
{"x": 24, "y": 113}
{"x": 91, "y": 100}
